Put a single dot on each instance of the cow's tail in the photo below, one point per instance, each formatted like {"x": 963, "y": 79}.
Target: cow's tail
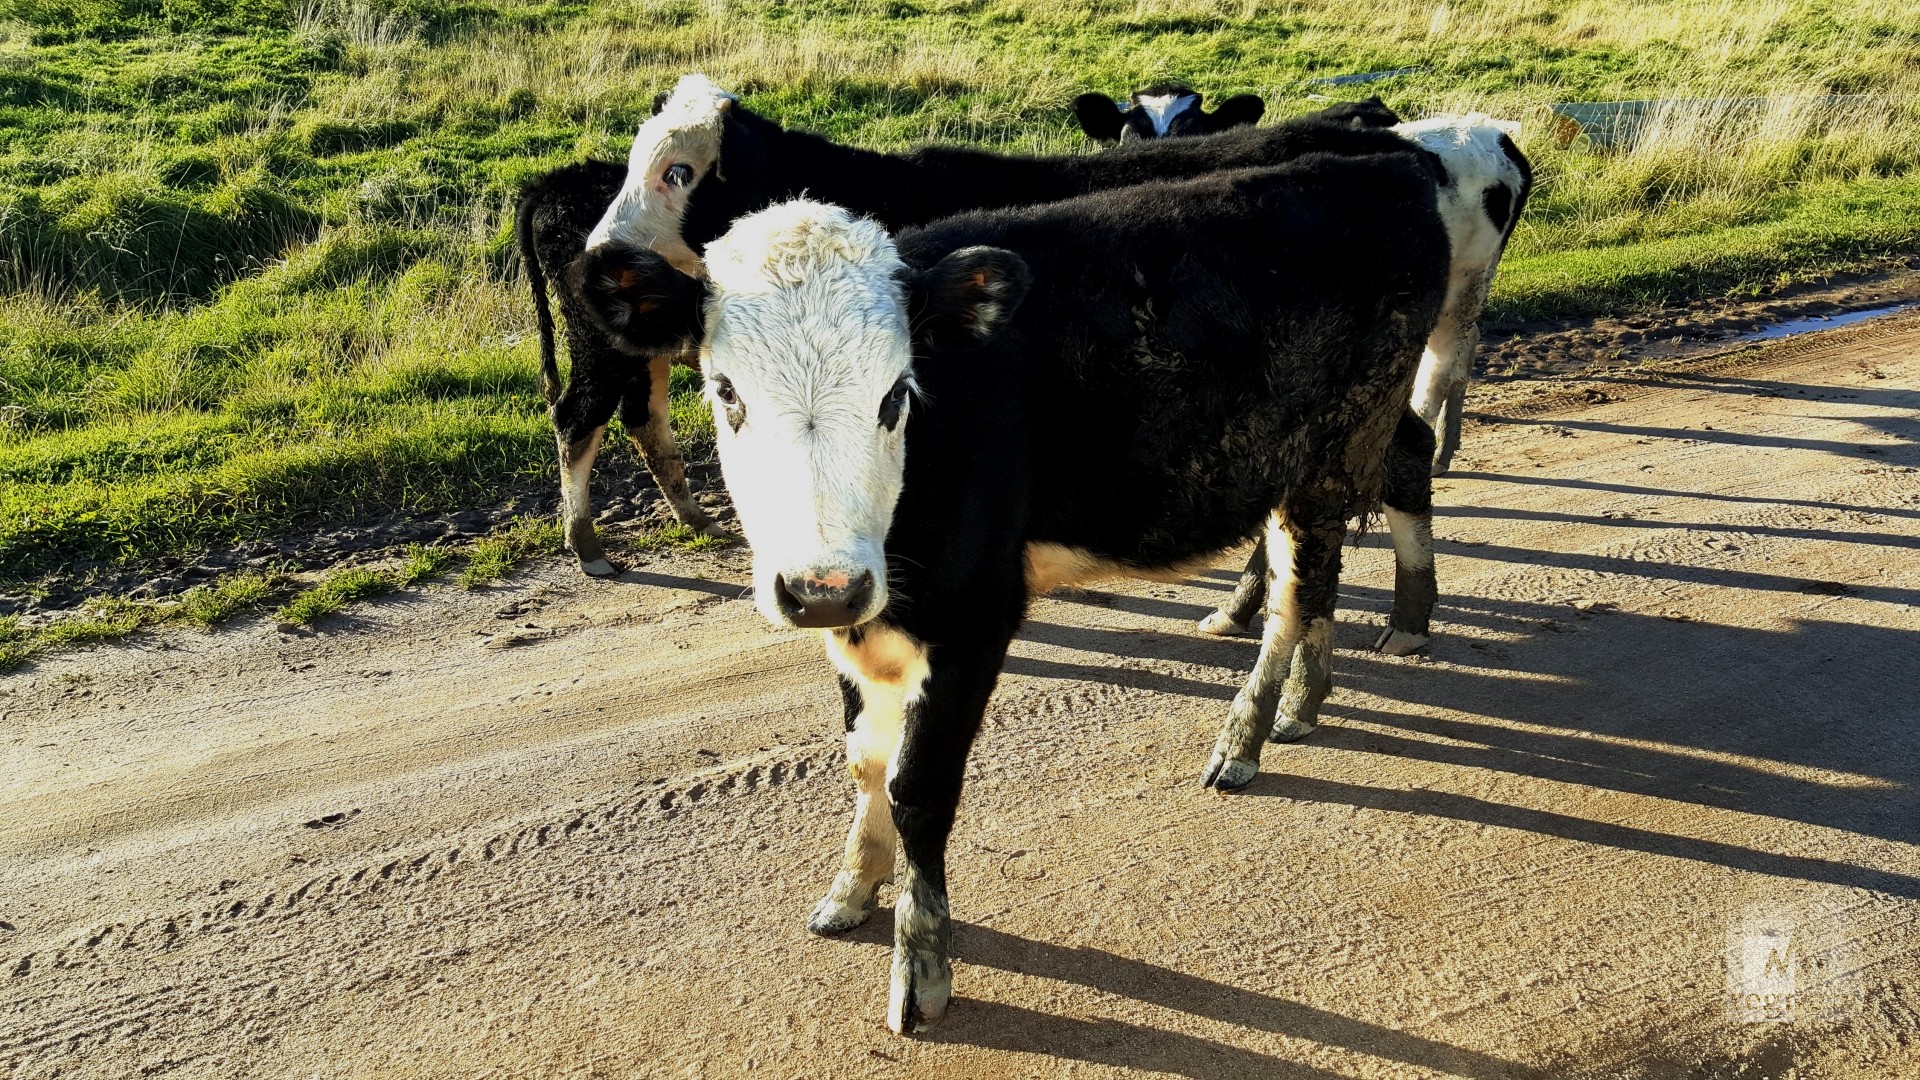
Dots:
{"x": 537, "y": 278}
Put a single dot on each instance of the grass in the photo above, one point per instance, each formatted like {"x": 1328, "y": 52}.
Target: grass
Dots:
{"x": 211, "y": 605}
{"x": 495, "y": 557}
{"x": 254, "y": 260}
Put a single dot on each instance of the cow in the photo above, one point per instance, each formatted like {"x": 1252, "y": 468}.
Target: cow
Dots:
{"x": 1486, "y": 186}
{"x": 921, "y": 432}
{"x": 1166, "y": 108}
{"x": 1488, "y": 181}
{"x": 703, "y": 160}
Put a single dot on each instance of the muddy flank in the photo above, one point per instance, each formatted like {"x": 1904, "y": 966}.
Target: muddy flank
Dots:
{"x": 574, "y": 828}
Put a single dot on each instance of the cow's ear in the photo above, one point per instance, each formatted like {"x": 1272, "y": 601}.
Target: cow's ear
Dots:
{"x": 967, "y": 298}
{"x": 1237, "y": 110}
{"x": 638, "y": 298}
{"x": 660, "y": 101}
{"x": 1099, "y": 117}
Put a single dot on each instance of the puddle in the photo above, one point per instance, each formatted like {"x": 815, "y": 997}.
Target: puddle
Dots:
{"x": 1825, "y": 322}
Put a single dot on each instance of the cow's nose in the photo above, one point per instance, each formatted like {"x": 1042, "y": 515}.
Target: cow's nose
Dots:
{"x": 823, "y": 598}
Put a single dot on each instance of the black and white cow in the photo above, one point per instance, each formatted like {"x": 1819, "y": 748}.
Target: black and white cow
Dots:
{"x": 1160, "y": 110}
{"x": 1488, "y": 180}
{"x": 701, "y": 161}
{"x": 921, "y": 433}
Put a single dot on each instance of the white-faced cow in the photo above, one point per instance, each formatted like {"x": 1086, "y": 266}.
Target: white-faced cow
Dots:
{"x": 703, "y": 160}
{"x": 1160, "y": 110}
{"x": 921, "y": 433}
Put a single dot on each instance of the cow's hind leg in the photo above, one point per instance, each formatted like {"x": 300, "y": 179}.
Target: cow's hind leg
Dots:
{"x": 1305, "y": 577}
{"x": 875, "y": 713}
{"x": 1409, "y": 499}
{"x": 1234, "y": 616}
{"x": 579, "y": 423}
{"x": 649, "y": 422}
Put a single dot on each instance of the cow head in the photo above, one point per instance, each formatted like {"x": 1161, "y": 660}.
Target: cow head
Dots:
{"x": 1161, "y": 110}
{"x": 809, "y": 365}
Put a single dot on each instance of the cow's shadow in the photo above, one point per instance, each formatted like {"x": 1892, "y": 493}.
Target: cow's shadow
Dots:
{"x": 1809, "y": 722}
{"x": 997, "y": 1026}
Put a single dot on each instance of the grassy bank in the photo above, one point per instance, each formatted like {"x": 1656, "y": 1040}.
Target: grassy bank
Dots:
{"x": 254, "y": 269}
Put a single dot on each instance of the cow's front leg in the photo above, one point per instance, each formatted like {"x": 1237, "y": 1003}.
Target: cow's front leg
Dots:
{"x": 1305, "y": 563}
{"x": 579, "y": 422}
{"x": 924, "y": 787}
{"x": 874, "y": 714}
{"x": 1234, "y": 616}
{"x": 1409, "y": 499}
{"x": 649, "y": 420}
{"x": 1440, "y": 387}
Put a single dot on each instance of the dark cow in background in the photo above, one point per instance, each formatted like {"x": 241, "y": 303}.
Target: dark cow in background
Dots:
{"x": 1487, "y": 183}
{"x": 1162, "y": 109}
{"x": 701, "y": 161}
{"x": 921, "y": 434}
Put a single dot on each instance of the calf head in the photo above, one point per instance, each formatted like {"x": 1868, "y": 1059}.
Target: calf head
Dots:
{"x": 810, "y": 372}
{"x": 1161, "y": 110}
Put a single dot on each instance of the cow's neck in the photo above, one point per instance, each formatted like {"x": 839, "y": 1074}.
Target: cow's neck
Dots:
{"x": 922, "y": 185}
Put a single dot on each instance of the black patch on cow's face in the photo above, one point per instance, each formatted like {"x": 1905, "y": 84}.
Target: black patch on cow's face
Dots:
{"x": 1099, "y": 117}
{"x": 637, "y": 298}
{"x": 966, "y": 298}
{"x": 1498, "y": 201}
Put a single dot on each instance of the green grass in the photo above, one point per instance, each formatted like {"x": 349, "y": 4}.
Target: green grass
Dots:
{"x": 336, "y": 591}
{"x": 255, "y": 271}
{"x": 495, "y": 556}
{"x": 211, "y": 605}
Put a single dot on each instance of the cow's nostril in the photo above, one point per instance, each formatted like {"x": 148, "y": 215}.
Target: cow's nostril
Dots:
{"x": 784, "y": 598}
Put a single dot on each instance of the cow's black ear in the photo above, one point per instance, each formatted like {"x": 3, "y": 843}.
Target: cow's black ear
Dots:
{"x": 641, "y": 301}
{"x": 1237, "y": 110}
{"x": 660, "y": 101}
{"x": 1099, "y": 117}
{"x": 967, "y": 297}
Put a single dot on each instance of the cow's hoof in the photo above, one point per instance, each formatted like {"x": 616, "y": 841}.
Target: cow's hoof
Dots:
{"x": 832, "y": 917}
{"x": 1291, "y": 731}
{"x": 1221, "y": 624}
{"x": 714, "y": 532}
{"x": 1229, "y": 774}
{"x": 1400, "y": 643}
{"x": 600, "y": 568}
{"x": 922, "y": 985}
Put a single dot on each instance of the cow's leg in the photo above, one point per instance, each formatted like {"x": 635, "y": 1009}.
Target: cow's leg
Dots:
{"x": 1409, "y": 499}
{"x": 875, "y": 712}
{"x": 579, "y": 422}
{"x": 1440, "y": 387}
{"x": 1300, "y": 595}
{"x": 924, "y": 787}
{"x": 649, "y": 424}
{"x": 1234, "y": 616}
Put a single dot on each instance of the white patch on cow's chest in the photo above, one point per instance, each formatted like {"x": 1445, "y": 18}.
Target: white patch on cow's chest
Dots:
{"x": 1162, "y": 108}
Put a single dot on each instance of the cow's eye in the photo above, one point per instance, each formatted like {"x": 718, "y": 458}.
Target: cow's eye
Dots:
{"x": 894, "y": 404}
{"x": 679, "y": 174}
{"x": 729, "y": 398}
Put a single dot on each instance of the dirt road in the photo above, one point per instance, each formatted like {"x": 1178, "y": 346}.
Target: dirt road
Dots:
{"x": 574, "y": 828}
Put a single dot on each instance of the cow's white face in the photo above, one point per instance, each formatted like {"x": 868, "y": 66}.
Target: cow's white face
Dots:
{"x": 1161, "y": 111}
{"x": 810, "y": 373}
{"x": 673, "y": 150}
